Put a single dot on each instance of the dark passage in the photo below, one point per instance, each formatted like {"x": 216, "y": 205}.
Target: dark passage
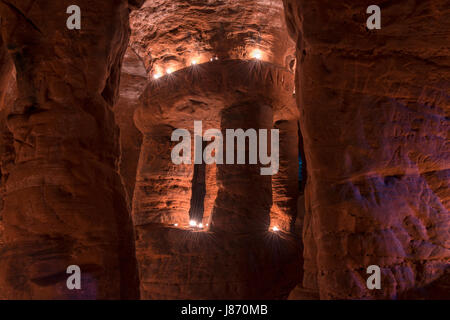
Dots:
{"x": 198, "y": 193}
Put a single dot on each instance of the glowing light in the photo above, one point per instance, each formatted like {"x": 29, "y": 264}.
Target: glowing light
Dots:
{"x": 206, "y": 224}
{"x": 193, "y": 223}
{"x": 275, "y": 229}
{"x": 156, "y": 76}
{"x": 257, "y": 54}
{"x": 200, "y": 225}
{"x": 176, "y": 224}
{"x": 169, "y": 71}
{"x": 194, "y": 62}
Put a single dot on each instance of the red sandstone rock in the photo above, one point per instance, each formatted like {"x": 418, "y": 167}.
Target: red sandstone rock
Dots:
{"x": 7, "y": 95}
{"x": 373, "y": 109}
{"x": 374, "y": 116}
{"x": 224, "y": 95}
{"x": 133, "y": 82}
{"x": 171, "y": 34}
{"x": 64, "y": 201}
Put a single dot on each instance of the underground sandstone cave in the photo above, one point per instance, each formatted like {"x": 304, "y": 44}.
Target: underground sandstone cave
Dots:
{"x": 92, "y": 92}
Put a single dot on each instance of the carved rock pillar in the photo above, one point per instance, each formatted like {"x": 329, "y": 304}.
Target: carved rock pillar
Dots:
{"x": 230, "y": 255}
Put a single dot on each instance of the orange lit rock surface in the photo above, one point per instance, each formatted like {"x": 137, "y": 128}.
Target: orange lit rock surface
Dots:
{"x": 7, "y": 95}
{"x": 181, "y": 32}
{"x": 87, "y": 179}
{"x": 224, "y": 95}
{"x": 201, "y": 61}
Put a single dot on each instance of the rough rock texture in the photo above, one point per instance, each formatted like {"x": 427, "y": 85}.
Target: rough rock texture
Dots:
{"x": 64, "y": 202}
{"x": 231, "y": 91}
{"x": 8, "y": 92}
{"x": 132, "y": 83}
{"x": 375, "y": 121}
{"x": 239, "y": 201}
{"x": 182, "y": 31}
{"x": 178, "y": 263}
{"x": 371, "y": 121}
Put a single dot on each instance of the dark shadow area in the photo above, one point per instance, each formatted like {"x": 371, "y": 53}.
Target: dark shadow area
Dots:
{"x": 197, "y": 208}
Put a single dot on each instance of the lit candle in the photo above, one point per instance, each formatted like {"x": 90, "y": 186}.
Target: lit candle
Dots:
{"x": 256, "y": 54}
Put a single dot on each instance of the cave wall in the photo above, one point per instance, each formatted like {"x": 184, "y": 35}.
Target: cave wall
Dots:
{"x": 133, "y": 81}
{"x": 374, "y": 110}
{"x": 77, "y": 171}
{"x": 8, "y": 91}
{"x": 182, "y": 31}
{"x": 199, "y": 59}
{"x": 64, "y": 202}
{"x": 234, "y": 249}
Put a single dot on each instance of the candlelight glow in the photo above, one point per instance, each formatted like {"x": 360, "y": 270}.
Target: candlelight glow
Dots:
{"x": 256, "y": 54}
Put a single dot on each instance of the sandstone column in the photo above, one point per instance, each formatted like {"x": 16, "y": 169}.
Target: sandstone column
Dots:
{"x": 163, "y": 189}
{"x": 228, "y": 64}
{"x": 7, "y": 93}
{"x": 133, "y": 80}
{"x": 374, "y": 106}
{"x": 225, "y": 258}
{"x": 64, "y": 202}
